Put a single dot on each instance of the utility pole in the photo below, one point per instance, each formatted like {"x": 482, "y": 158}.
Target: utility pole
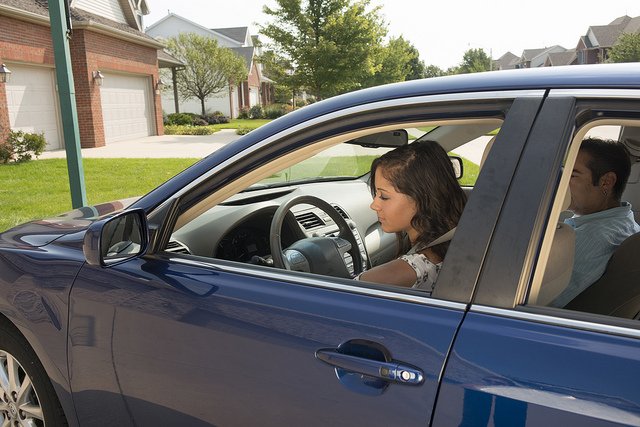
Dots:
{"x": 60, "y": 21}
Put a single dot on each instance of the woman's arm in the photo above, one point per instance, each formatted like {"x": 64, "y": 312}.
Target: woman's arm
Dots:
{"x": 396, "y": 272}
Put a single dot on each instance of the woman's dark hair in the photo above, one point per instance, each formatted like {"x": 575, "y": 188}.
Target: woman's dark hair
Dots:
{"x": 607, "y": 155}
{"x": 423, "y": 171}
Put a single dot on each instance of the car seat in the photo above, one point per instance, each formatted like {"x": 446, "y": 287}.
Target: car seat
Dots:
{"x": 617, "y": 292}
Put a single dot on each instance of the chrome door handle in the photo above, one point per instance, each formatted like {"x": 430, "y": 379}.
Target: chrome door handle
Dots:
{"x": 388, "y": 371}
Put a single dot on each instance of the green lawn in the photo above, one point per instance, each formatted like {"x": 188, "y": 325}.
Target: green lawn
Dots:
{"x": 40, "y": 188}
{"x": 242, "y": 123}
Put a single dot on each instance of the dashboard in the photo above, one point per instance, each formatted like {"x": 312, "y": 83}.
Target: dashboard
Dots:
{"x": 239, "y": 228}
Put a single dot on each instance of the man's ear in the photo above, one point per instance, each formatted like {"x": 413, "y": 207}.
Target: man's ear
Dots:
{"x": 608, "y": 181}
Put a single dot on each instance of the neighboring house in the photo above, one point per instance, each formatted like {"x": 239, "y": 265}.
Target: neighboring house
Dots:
{"x": 532, "y": 58}
{"x": 555, "y": 59}
{"x": 593, "y": 48}
{"x": 254, "y": 91}
{"x": 508, "y": 61}
{"x": 106, "y": 37}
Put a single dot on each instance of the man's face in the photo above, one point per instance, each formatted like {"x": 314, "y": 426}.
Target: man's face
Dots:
{"x": 586, "y": 198}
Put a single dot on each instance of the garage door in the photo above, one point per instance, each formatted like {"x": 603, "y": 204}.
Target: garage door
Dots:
{"x": 33, "y": 103}
{"x": 126, "y": 107}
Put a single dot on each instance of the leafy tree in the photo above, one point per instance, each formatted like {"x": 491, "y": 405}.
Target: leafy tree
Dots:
{"x": 332, "y": 44}
{"x": 626, "y": 48}
{"x": 475, "y": 61}
{"x": 418, "y": 70}
{"x": 209, "y": 69}
{"x": 394, "y": 62}
{"x": 278, "y": 69}
{"x": 434, "y": 71}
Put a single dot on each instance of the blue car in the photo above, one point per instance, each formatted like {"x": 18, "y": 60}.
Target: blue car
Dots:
{"x": 226, "y": 295}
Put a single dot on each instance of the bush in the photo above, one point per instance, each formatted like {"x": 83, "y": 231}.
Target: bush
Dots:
{"x": 255, "y": 112}
{"x": 21, "y": 146}
{"x": 180, "y": 119}
{"x": 244, "y": 113}
{"x": 188, "y": 130}
{"x": 199, "y": 121}
{"x": 242, "y": 130}
{"x": 274, "y": 111}
{"x": 215, "y": 118}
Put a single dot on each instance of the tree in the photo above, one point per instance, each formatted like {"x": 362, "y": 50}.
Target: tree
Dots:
{"x": 278, "y": 69}
{"x": 332, "y": 44}
{"x": 394, "y": 62}
{"x": 418, "y": 70}
{"x": 475, "y": 61}
{"x": 209, "y": 69}
{"x": 626, "y": 48}
{"x": 434, "y": 71}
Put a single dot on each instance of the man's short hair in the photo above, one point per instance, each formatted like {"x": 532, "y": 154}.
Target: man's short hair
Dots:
{"x": 607, "y": 155}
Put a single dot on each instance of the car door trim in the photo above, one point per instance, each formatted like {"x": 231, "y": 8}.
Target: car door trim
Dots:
{"x": 319, "y": 283}
{"x": 556, "y": 321}
{"x": 595, "y": 93}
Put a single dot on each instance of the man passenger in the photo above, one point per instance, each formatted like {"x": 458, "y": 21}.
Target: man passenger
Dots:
{"x": 601, "y": 221}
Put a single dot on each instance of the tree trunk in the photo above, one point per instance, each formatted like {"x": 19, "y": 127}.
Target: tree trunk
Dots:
{"x": 202, "y": 105}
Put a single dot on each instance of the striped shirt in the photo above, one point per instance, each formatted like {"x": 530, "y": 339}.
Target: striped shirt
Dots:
{"x": 597, "y": 236}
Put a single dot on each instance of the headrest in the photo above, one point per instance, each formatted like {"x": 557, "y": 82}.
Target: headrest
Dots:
{"x": 485, "y": 153}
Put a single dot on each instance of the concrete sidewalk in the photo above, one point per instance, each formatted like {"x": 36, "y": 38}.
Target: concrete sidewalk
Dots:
{"x": 186, "y": 146}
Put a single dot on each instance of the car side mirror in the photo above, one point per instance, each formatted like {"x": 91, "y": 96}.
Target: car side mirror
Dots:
{"x": 116, "y": 239}
{"x": 458, "y": 169}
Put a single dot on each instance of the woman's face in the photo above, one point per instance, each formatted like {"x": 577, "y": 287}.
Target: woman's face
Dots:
{"x": 395, "y": 210}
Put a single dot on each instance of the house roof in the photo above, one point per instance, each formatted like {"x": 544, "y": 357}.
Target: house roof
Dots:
{"x": 238, "y": 34}
{"x": 34, "y": 9}
{"x": 607, "y": 35}
{"x": 245, "y": 53}
{"x": 506, "y": 61}
{"x": 529, "y": 54}
{"x": 166, "y": 60}
{"x": 562, "y": 58}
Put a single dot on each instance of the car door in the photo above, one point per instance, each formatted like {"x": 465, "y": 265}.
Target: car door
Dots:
{"x": 173, "y": 339}
{"x": 515, "y": 364}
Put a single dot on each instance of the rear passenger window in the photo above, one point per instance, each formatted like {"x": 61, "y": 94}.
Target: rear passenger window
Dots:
{"x": 588, "y": 258}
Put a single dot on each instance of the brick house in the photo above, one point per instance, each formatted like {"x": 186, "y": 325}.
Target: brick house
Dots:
{"x": 256, "y": 90}
{"x": 106, "y": 38}
{"x": 593, "y": 47}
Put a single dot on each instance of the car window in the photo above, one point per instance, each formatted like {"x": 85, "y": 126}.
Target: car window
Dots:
{"x": 238, "y": 227}
{"x": 587, "y": 261}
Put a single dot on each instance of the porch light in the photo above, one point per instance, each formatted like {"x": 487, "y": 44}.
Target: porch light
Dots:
{"x": 98, "y": 77}
{"x": 5, "y": 73}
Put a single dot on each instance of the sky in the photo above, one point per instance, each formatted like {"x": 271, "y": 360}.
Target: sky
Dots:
{"x": 441, "y": 31}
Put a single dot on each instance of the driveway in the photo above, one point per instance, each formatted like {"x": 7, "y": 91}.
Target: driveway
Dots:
{"x": 188, "y": 146}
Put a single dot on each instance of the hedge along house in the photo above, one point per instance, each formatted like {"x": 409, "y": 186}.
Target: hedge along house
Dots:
{"x": 115, "y": 69}
{"x": 256, "y": 90}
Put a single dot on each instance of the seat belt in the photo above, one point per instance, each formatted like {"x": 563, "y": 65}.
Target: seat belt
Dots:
{"x": 444, "y": 238}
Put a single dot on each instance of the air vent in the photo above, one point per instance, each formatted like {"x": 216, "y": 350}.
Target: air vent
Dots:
{"x": 341, "y": 211}
{"x": 177, "y": 248}
{"x": 309, "y": 220}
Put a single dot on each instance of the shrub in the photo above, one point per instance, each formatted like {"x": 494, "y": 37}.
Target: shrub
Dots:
{"x": 22, "y": 146}
{"x": 198, "y": 121}
{"x": 274, "y": 111}
{"x": 242, "y": 130}
{"x": 244, "y": 113}
{"x": 188, "y": 130}
{"x": 215, "y": 118}
{"x": 179, "y": 119}
{"x": 255, "y": 112}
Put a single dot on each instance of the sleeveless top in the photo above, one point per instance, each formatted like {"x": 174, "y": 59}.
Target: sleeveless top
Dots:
{"x": 426, "y": 271}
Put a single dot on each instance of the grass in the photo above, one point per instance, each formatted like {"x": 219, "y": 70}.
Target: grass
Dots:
{"x": 39, "y": 189}
{"x": 242, "y": 123}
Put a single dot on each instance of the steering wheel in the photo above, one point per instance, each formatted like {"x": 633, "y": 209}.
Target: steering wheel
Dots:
{"x": 321, "y": 255}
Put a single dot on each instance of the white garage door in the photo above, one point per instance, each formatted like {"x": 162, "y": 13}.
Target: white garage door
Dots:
{"x": 126, "y": 107}
{"x": 33, "y": 103}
